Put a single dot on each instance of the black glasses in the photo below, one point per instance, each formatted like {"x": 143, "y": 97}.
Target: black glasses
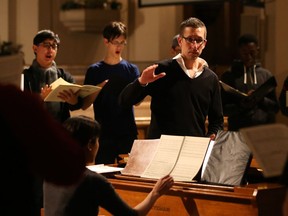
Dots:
{"x": 116, "y": 43}
{"x": 198, "y": 41}
{"x": 47, "y": 45}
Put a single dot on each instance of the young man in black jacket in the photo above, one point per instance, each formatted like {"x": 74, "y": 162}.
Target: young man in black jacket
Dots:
{"x": 44, "y": 71}
{"x": 246, "y": 74}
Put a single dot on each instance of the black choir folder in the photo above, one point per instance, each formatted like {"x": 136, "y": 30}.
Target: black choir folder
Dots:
{"x": 257, "y": 95}
{"x": 187, "y": 158}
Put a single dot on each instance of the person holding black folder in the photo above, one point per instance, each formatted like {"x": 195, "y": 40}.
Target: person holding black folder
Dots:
{"x": 248, "y": 76}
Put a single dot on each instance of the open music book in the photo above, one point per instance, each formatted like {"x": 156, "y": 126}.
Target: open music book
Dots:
{"x": 232, "y": 90}
{"x": 179, "y": 156}
{"x": 269, "y": 145}
{"x": 257, "y": 95}
{"x": 186, "y": 158}
{"x": 60, "y": 85}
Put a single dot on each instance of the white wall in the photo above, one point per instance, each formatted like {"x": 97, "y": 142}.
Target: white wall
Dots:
{"x": 27, "y": 26}
{"x": 153, "y": 31}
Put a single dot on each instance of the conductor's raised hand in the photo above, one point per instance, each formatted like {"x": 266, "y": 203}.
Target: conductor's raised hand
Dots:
{"x": 148, "y": 75}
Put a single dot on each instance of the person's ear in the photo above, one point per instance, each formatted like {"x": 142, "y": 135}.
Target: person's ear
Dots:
{"x": 34, "y": 47}
{"x": 204, "y": 44}
{"x": 90, "y": 146}
{"x": 179, "y": 39}
{"x": 106, "y": 41}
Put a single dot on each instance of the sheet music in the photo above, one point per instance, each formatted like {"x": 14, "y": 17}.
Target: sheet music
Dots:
{"x": 269, "y": 144}
{"x": 165, "y": 157}
{"x": 101, "y": 168}
{"x": 180, "y": 156}
{"x": 141, "y": 154}
{"x": 190, "y": 158}
{"x": 60, "y": 85}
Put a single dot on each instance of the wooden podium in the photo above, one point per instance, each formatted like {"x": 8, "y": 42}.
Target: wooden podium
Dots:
{"x": 202, "y": 199}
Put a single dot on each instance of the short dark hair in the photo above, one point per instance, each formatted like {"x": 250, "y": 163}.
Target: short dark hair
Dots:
{"x": 83, "y": 128}
{"x": 114, "y": 30}
{"x": 44, "y": 35}
{"x": 194, "y": 23}
{"x": 175, "y": 41}
{"x": 246, "y": 39}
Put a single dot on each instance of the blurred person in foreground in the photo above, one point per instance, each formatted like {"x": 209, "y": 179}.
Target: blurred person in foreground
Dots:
{"x": 94, "y": 190}
{"x": 33, "y": 145}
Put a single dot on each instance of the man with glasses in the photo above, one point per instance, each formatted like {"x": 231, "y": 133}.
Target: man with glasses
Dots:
{"x": 183, "y": 90}
{"x": 44, "y": 71}
{"x": 37, "y": 79}
{"x": 113, "y": 73}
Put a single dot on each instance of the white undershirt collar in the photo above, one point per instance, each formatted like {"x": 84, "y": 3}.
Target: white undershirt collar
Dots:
{"x": 180, "y": 61}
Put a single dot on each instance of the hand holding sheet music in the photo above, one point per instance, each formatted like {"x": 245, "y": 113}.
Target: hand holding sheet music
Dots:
{"x": 251, "y": 100}
{"x": 258, "y": 94}
{"x": 60, "y": 85}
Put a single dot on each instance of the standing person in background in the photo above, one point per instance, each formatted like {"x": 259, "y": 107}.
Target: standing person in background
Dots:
{"x": 118, "y": 125}
{"x": 44, "y": 71}
{"x": 33, "y": 146}
{"x": 246, "y": 75}
{"x": 183, "y": 90}
{"x": 94, "y": 190}
{"x": 175, "y": 48}
{"x": 283, "y": 98}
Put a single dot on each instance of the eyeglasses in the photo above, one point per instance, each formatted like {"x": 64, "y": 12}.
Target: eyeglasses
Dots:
{"x": 47, "y": 45}
{"x": 116, "y": 43}
{"x": 190, "y": 40}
